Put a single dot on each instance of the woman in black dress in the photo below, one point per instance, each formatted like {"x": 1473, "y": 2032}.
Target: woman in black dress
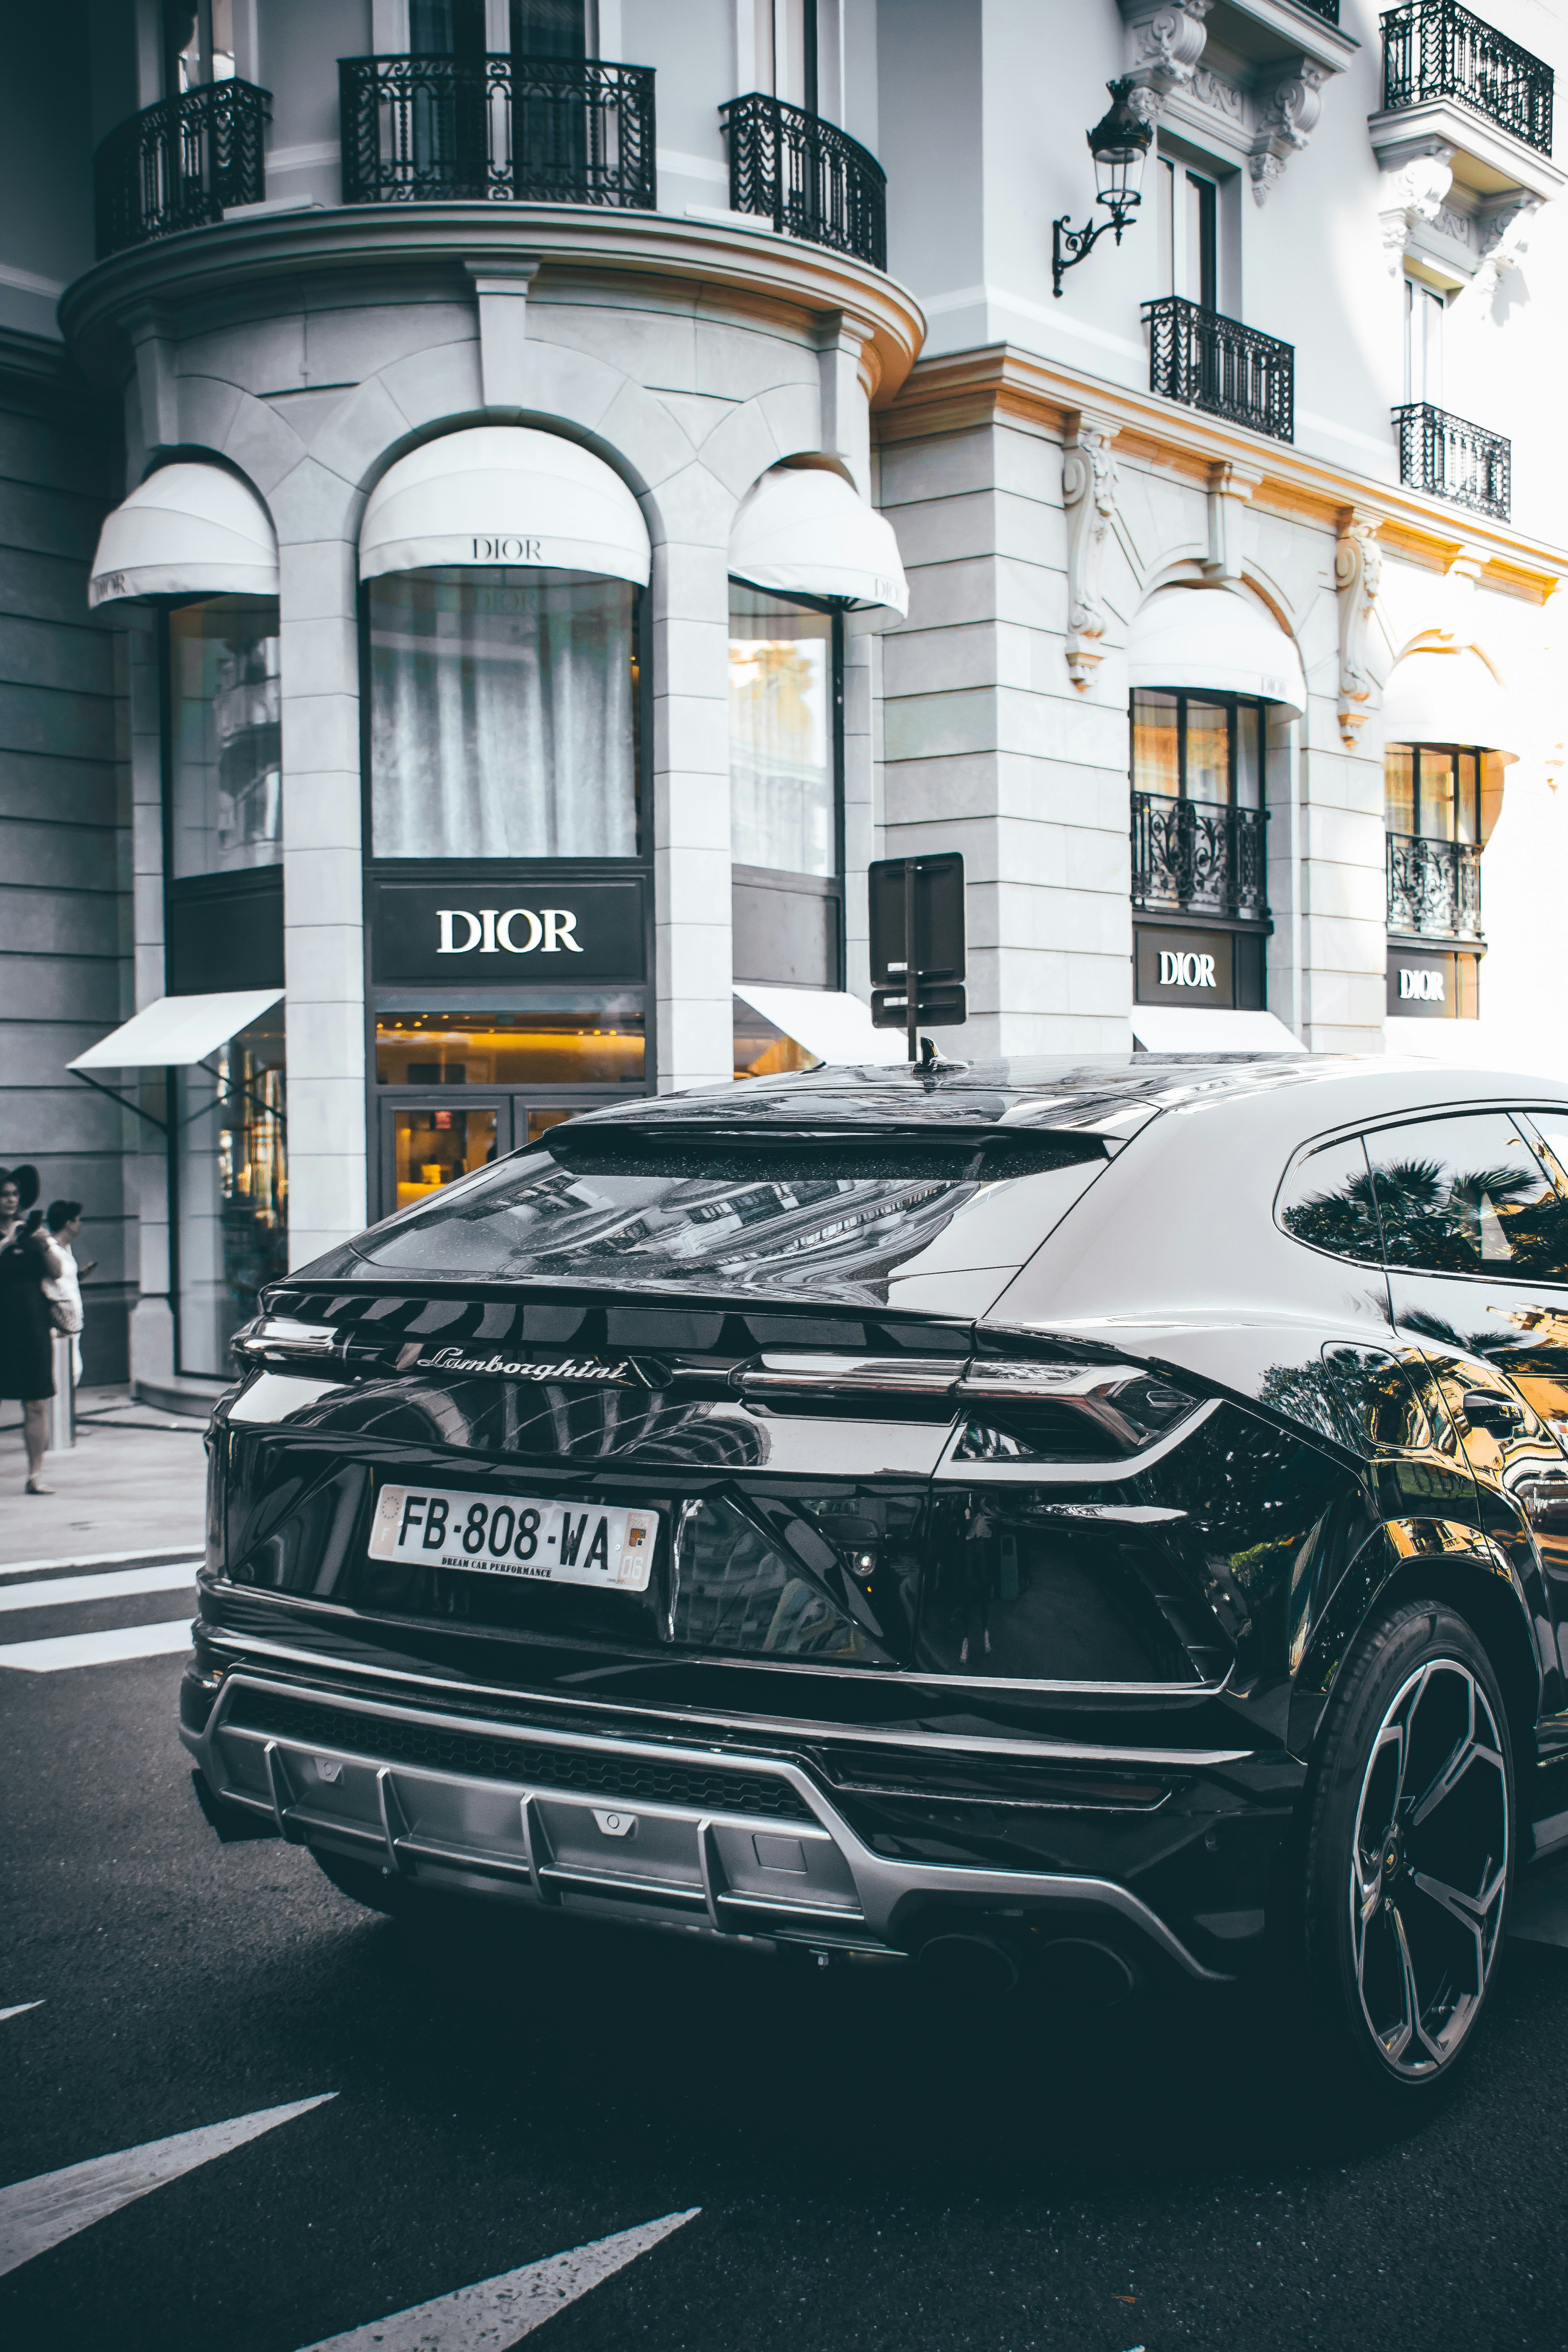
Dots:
{"x": 27, "y": 1339}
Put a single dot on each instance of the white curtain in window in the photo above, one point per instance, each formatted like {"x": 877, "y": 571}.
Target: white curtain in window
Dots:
{"x": 502, "y": 720}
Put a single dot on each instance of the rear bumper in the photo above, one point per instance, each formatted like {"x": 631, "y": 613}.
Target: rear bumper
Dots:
{"x": 725, "y": 1844}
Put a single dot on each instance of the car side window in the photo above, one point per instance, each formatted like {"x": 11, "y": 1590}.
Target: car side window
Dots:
{"x": 1327, "y": 1201}
{"x": 1467, "y": 1195}
{"x": 1549, "y": 1129}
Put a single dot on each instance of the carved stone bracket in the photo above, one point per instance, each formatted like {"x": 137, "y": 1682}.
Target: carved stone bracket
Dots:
{"x": 1358, "y": 576}
{"x": 1412, "y": 191}
{"x": 1164, "y": 41}
{"x": 1503, "y": 234}
{"x": 1288, "y": 107}
{"x": 1230, "y": 489}
{"x": 1089, "y": 494}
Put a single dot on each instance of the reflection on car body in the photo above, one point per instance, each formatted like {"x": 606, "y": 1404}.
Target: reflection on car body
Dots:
{"x": 1118, "y": 1507}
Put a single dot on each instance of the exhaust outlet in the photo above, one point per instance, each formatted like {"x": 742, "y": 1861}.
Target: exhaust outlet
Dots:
{"x": 968, "y": 1963}
{"x": 1085, "y": 1974}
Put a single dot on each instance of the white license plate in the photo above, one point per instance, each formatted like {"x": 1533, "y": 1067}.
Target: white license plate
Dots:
{"x": 512, "y": 1535}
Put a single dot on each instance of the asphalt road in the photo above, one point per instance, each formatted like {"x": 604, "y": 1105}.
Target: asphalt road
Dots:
{"x": 874, "y": 2165}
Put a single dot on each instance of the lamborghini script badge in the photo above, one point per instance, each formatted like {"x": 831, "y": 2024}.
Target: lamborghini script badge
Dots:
{"x": 625, "y": 1373}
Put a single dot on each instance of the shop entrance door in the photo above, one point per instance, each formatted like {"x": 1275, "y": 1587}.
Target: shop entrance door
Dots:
{"x": 429, "y": 1140}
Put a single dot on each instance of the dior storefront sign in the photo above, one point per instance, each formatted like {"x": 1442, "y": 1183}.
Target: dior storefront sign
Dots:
{"x": 1433, "y": 984}
{"x": 500, "y": 922}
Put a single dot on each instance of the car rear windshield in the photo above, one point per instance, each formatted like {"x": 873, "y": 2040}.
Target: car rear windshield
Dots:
{"x": 855, "y": 1221}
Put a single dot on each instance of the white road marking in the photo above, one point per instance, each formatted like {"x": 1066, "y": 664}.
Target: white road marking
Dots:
{"x": 46, "y": 1657}
{"x": 39, "y": 2214}
{"x": 502, "y": 2311}
{"x": 191, "y": 1554}
{"x": 111, "y": 1584}
{"x": 19, "y": 2010}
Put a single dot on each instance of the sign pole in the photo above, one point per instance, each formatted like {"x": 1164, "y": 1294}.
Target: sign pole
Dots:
{"x": 912, "y": 976}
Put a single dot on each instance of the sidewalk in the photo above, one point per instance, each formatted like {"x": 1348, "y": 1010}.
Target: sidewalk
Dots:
{"x": 134, "y": 1482}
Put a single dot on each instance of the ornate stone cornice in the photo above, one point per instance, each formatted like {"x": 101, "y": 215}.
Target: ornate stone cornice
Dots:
{"x": 757, "y": 267}
{"x": 1002, "y": 383}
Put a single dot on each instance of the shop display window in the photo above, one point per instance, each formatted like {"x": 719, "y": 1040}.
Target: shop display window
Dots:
{"x": 225, "y": 739}
{"x": 784, "y": 696}
{"x": 599, "y": 1045}
{"x": 503, "y": 714}
{"x": 761, "y": 1049}
{"x": 231, "y": 1190}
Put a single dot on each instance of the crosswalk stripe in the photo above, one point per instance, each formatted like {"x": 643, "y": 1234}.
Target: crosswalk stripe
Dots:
{"x": 112, "y": 1584}
{"x": 502, "y": 2311}
{"x": 48, "y": 1655}
{"x": 39, "y": 2214}
{"x": 189, "y": 1556}
{"x": 19, "y": 2009}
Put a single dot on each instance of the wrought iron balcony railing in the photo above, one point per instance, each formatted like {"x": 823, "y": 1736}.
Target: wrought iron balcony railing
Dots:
{"x": 807, "y": 176}
{"x": 1328, "y": 10}
{"x": 1209, "y": 361}
{"x": 1434, "y": 888}
{"x": 432, "y": 130}
{"x": 1451, "y": 460}
{"x": 179, "y": 165}
{"x": 1198, "y": 858}
{"x": 1435, "y": 49}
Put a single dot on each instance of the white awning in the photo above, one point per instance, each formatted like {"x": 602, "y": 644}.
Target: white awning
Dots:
{"x": 1197, "y": 637}
{"x": 187, "y": 531}
{"x": 827, "y": 1022}
{"x": 804, "y": 531}
{"x": 177, "y": 1029}
{"x": 1448, "y": 698}
{"x": 504, "y": 494}
{"x": 1173, "y": 1029}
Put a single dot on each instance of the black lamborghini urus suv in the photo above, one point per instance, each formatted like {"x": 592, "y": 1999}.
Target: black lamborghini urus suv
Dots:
{"x": 1100, "y": 1519}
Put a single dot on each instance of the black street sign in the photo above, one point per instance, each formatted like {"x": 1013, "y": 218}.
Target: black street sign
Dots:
{"x": 917, "y": 921}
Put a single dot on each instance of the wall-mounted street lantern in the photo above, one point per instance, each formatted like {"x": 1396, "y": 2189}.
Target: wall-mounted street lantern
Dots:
{"x": 1118, "y": 142}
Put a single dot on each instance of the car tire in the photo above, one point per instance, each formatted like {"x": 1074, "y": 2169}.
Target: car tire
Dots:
{"x": 1410, "y": 1850}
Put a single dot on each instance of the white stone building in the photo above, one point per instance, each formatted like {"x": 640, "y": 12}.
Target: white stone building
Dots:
{"x": 566, "y": 523}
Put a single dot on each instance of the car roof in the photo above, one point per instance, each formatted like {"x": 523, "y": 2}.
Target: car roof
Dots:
{"x": 1116, "y": 1092}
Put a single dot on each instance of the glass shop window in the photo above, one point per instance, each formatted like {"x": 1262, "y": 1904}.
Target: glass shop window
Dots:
{"x": 224, "y": 743}
{"x": 1198, "y": 747}
{"x": 232, "y": 1189}
{"x": 1441, "y": 792}
{"x": 784, "y": 682}
{"x": 503, "y": 714}
{"x": 562, "y": 1045}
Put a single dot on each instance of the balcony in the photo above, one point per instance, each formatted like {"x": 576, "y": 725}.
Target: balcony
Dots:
{"x": 1435, "y": 49}
{"x": 180, "y": 164}
{"x": 1198, "y": 858}
{"x": 1216, "y": 364}
{"x": 1434, "y": 888}
{"x": 435, "y": 130}
{"x": 807, "y": 176}
{"x": 1328, "y": 10}
{"x": 1451, "y": 460}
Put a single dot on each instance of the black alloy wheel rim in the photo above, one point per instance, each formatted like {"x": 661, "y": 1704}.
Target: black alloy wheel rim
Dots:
{"x": 1429, "y": 1868}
